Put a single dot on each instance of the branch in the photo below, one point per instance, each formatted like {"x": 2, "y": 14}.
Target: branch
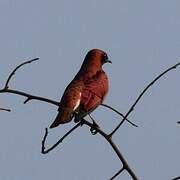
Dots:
{"x": 107, "y": 106}
{"x": 102, "y": 133}
{"x": 29, "y": 96}
{"x": 115, "y": 148}
{"x": 21, "y": 93}
{"x": 119, "y": 172}
{"x": 44, "y": 151}
{"x": 140, "y": 96}
{"x": 4, "y": 109}
{"x": 13, "y": 72}
{"x": 177, "y": 178}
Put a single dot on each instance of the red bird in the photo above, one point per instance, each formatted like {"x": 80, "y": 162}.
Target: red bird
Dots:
{"x": 86, "y": 91}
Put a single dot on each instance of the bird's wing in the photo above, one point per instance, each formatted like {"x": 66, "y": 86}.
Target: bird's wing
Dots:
{"x": 94, "y": 92}
{"x": 70, "y": 101}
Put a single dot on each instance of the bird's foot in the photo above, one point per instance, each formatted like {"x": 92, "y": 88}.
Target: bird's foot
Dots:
{"x": 94, "y": 128}
{"x": 76, "y": 117}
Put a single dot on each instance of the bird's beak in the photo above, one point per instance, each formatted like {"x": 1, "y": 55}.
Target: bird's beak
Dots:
{"x": 109, "y": 61}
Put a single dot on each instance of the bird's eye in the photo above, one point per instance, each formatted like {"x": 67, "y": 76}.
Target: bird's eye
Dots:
{"x": 105, "y": 57}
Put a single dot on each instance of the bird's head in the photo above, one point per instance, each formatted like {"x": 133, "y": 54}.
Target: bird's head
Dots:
{"x": 94, "y": 59}
{"x": 97, "y": 56}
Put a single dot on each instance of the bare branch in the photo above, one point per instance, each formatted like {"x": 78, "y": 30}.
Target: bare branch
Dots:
{"x": 102, "y": 133}
{"x": 115, "y": 148}
{"x": 4, "y": 109}
{"x": 21, "y": 93}
{"x": 44, "y": 151}
{"x": 119, "y": 172}
{"x": 29, "y": 96}
{"x": 13, "y": 72}
{"x": 116, "y": 111}
{"x": 177, "y": 178}
{"x": 140, "y": 96}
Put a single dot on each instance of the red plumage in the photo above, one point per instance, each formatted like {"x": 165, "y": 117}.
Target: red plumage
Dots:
{"x": 86, "y": 91}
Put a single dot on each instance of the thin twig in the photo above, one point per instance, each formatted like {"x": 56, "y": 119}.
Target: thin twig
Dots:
{"x": 177, "y": 178}
{"x": 44, "y": 150}
{"x": 116, "y": 111}
{"x": 4, "y": 109}
{"x": 140, "y": 96}
{"x": 13, "y": 72}
{"x": 119, "y": 172}
{"x": 21, "y": 93}
{"x": 29, "y": 96}
{"x": 93, "y": 121}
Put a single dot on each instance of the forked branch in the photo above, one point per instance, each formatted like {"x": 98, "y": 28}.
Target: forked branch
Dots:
{"x": 44, "y": 150}
{"x": 141, "y": 94}
{"x": 102, "y": 133}
{"x": 116, "y": 111}
{"x": 29, "y": 97}
{"x": 118, "y": 173}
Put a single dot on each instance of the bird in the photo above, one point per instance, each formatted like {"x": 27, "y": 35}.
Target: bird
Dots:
{"x": 86, "y": 91}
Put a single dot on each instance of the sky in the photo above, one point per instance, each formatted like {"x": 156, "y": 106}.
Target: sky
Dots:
{"x": 140, "y": 37}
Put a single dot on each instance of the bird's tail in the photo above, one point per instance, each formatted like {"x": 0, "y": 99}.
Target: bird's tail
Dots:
{"x": 64, "y": 116}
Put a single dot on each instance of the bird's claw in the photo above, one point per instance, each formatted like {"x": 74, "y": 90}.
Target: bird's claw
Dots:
{"x": 94, "y": 128}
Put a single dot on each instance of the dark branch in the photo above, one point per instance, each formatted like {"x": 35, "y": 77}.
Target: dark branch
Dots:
{"x": 140, "y": 96}
{"x": 29, "y": 96}
{"x": 4, "y": 109}
{"x": 13, "y": 72}
{"x": 21, "y": 93}
{"x": 177, "y": 178}
{"x": 119, "y": 172}
{"x": 105, "y": 105}
{"x": 115, "y": 148}
{"x": 98, "y": 130}
{"x": 44, "y": 151}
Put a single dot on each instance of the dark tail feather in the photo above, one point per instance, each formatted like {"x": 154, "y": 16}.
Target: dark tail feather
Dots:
{"x": 62, "y": 118}
{"x": 56, "y": 122}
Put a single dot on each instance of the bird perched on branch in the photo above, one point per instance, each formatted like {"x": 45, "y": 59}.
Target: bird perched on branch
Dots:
{"x": 86, "y": 91}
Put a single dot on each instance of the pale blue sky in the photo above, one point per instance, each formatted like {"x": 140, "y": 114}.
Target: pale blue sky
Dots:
{"x": 141, "y": 38}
